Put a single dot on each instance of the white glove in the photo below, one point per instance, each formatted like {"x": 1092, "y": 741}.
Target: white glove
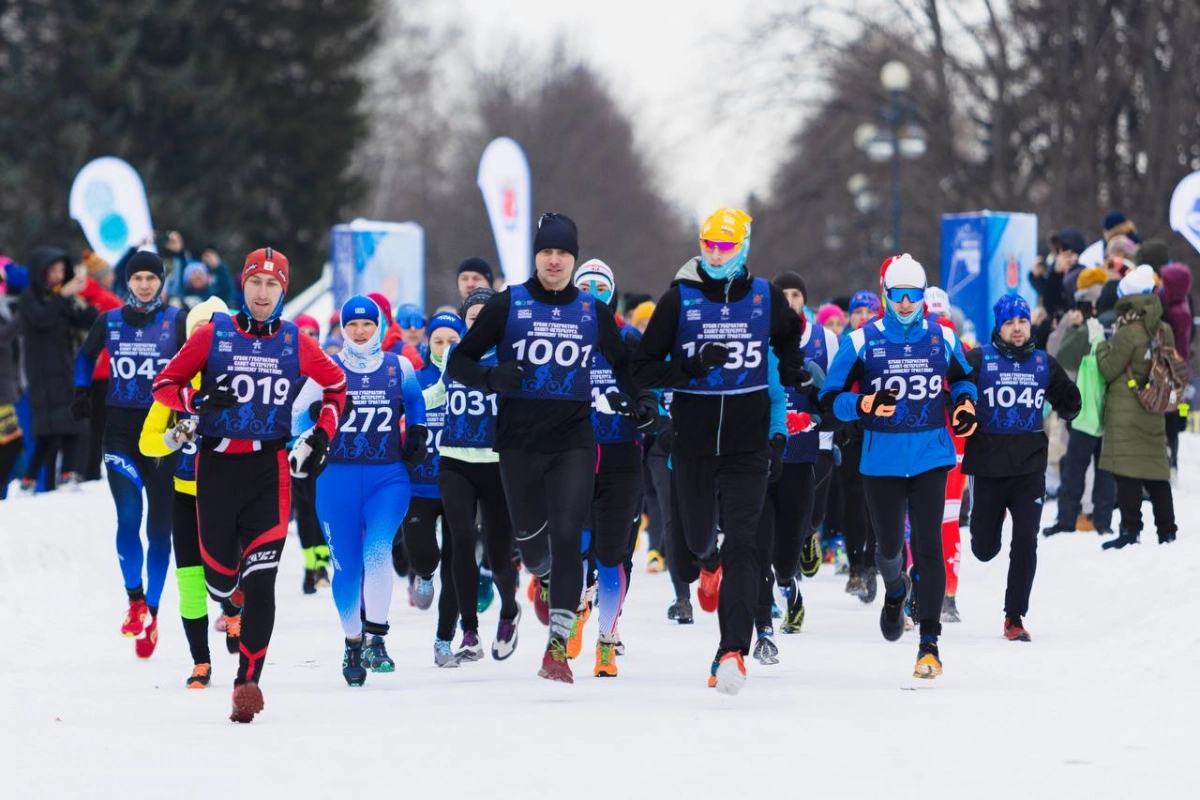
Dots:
{"x": 183, "y": 432}
{"x": 301, "y": 452}
{"x": 1095, "y": 331}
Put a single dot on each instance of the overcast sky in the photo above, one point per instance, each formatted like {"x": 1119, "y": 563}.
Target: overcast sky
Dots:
{"x": 663, "y": 67}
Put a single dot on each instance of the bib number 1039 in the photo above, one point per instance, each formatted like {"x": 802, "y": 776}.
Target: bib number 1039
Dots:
{"x": 910, "y": 387}
{"x": 741, "y": 354}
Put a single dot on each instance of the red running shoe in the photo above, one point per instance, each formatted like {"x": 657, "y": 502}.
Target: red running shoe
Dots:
{"x": 247, "y": 701}
{"x": 710, "y": 589}
{"x": 1015, "y": 631}
{"x": 541, "y": 603}
{"x": 136, "y": 619}
{"x": 731, "y": 673}
{"x": 144, "y": 645}
{"x": 555, "y": 666}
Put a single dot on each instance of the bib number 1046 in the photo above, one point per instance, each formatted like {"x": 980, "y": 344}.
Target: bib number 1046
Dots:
{"x": 1008, "y": 397}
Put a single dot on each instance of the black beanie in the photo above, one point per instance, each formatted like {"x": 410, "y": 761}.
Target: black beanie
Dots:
{"x": 477, "y": 297}
{"x": 790, "y": 280}
{"x": 144, "y": 261}
{"x": 476, "y": 264}
{"x": 556, "y": 232}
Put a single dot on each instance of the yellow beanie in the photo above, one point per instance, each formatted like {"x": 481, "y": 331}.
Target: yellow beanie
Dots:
{"x": 1091, "y": 277}
{"x": 641, "y": 313}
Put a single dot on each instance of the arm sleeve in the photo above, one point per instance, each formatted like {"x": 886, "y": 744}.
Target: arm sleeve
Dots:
{"x": 319, "y": 367}
{"x": 616, "y": 350}
{"x": 410, "y": 388}
{"x": 787, "y": 329}
{"x": 1062, "y": 393}
{"x": 959, "y": 373}
{"x": 463, "y": 364}
{"x": 434, "y": 395}
{"x": 651, "y": 365}
{"x": 150, "y": 442}
{"x": 778, "y": 398}
{"x": 173, "y": 386}
{"x": 85, "y": 361}
{"x": 844, "y": 372}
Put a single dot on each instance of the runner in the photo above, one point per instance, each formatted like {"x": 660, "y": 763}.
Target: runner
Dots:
{"x": 256, "y": 362}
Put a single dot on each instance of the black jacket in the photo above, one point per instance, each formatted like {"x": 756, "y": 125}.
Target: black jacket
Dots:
{"x": 543, "y": 426}
{"x": 998, "y": 455}
{"x": 49, "y": 326}
{"x": 708, "y": 425}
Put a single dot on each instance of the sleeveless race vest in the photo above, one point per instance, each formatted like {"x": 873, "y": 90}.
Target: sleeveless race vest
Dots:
{"x": 743, "y": 326}
{"x": 370, "y": 433}
{"x": 1011, "y": 393}
{"x": 803, "y": 448}
{"x": 609, "y": 428}
{"x": 554, "y": 342}
{"x": 263, "y": 373}
{"x": 915, "y": 370}
{"x": 470, "y": 419}
{"x": 137, "y": 354}
{"x": 423, "y": 477}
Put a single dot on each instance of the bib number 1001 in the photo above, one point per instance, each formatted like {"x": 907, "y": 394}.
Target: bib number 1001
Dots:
{"x": 910, "y": 387}
{"x": 564, "y": 352}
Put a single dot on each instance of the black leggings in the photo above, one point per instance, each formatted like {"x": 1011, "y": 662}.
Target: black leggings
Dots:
{"x": 420, "y": 540}
{"x": 923, "y": 496}
{"x": 464, "y": 485}
{"x": 45, "y": 454}
{"x": 549, "y": 497}
{"x": 1129, "y": 500}
{"x": 856, "y": 522}
{"x": 304, "y": 508}
{"x": 96, "y": 424}
{"x": 185, "y": 541}
{"x": 671, "y": 541}
{"x": 782, "y": 530}
{"x": 824, "y": 475}
{"x": 1021, "y": 496}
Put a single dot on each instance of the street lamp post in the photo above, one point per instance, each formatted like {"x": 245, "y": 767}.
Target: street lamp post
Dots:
{"x": 901, "y": 137}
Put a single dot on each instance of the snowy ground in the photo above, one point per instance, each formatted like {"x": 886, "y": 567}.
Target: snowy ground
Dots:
{"x": 1103, "y": 703}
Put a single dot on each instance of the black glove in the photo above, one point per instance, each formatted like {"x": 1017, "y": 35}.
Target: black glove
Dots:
{"x": 711, "y": 356}
{"x": 415, "y": 450}
{"x": 666, "y": 437}
{"x": 505, "y": 378}
{"x": 314, "y": 408}
{"x": 219, "y": 396}
{"x": 645, "y": 414}
{"x": 619, "y": 402}
{"x": 878, "y": 404}
{"x": 778, "y": 442}
{"x": 81, "y": 406}
{"x": 309, "y": 454}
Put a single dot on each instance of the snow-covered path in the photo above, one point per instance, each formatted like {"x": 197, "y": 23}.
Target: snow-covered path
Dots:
{"x": 1103, "y": 703}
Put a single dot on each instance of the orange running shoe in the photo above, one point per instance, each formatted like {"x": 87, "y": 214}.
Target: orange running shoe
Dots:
{"x": 709, "y": 593}
{"x": 606, "y": 659}
{"x": 233, "y": 633}
{"x": 136, "y": 619}
{"x": 655, "y": 562}
{"x": 201, "y": 674}
{"x": 247, "y": 701}
{"x": 575, "y": 641}
{"x": 144, "y": 645}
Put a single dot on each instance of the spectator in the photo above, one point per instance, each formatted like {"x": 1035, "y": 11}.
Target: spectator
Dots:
{"x": 640, "y": 316}
{"x": 1153, "y": 252}
{"x": 473, "y": 273}
{"x": 392, "y": 340}
{"x": 12, "y": 442}
{"x": 175, "y": 258}
{"x": 411, "y": 320}
{"x": 220, "y": 283}
{"x": 333, "y": 339}
{"x": 52, "y": 316}
{"x": 1116, "y": 224}
{"x": 100, "y": 294}
{"x": 1067, "y": 245}
{"x": 1135, "y": 446}
{"x": 196, "y": 287}
{"x": 1177, "y": 295}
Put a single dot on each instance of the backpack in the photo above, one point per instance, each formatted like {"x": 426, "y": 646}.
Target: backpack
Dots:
{"x": 1163, "y": 391}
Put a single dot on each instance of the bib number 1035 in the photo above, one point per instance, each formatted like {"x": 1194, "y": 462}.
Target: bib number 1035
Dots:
{"x": 741, "y": 354}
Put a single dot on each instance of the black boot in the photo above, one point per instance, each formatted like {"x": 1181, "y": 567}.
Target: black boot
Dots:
{"x": 1124, "y": 538}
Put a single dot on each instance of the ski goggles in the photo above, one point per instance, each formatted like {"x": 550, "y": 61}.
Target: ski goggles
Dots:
{"x": 900, "y": 294}
{"x": 410, "y": 321}
{"x": 724, "y": 247}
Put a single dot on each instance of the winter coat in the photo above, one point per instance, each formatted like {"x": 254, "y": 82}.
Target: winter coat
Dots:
{"x": 1135, "y": 440}
{"x": 50, "y": 323}
{"x": 1176, "y": 286}
{"x": 10, "y": 369}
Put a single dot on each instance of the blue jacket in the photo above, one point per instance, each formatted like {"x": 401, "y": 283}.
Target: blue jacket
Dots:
{"x": 901, "y": 454}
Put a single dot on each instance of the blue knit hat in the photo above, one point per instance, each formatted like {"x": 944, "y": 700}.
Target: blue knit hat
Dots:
{"x": 451, "y": 321}
{"x": 360, "y": 307}
{"x": 1010, "y": 306}
{"x": 864, "y": 299}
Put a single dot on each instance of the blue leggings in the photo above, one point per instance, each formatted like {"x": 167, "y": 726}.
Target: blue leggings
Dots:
{"x": 128, "y": 476}
{"x": 360, "y": 507}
